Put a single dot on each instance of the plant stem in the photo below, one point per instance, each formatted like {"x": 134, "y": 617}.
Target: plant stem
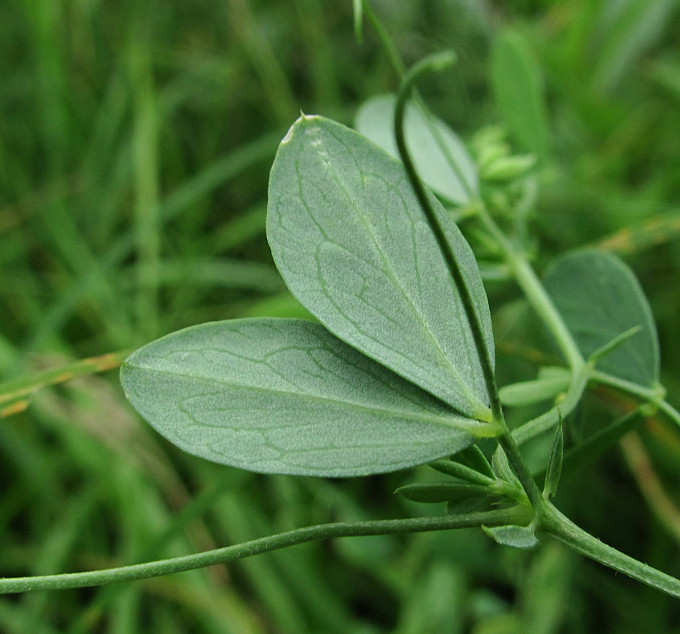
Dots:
{"x": 400, "y": 69}
{"x": 567, "y": 404}
{"x": 515, "y": 515}
{"x": 563, "y": 529}
{"x": 534, "y": 292}
{"x": 16, "y": 393}
{"x": 438, "y": 62}
{"x": 385, "y": 38}
{"x": 653, "y": 396}
{"x": 518, "y": 465}
{"x": 545, "y": 516}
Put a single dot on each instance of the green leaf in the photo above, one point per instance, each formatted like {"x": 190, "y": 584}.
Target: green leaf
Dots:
{"x": 589, "y": 450}
{"x": 474, "y": 458}
{"x": 353, "y": 245}
{"x": 554, "y": 470}
{"x": 442, "y": 492}
{"x": 286, "y": 396}
{"x": 546, "y": 386}
{"x": 599, "y": 299}
{"x": 514, "y": 536}
{"x": 440, "y": 157}
{"x": 501, "y": 468}
{"x": 518, "y": 88}
{"x": 626, "y": 29}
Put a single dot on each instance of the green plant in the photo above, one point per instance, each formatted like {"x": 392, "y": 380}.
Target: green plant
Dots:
{"x": 401, "y": 372}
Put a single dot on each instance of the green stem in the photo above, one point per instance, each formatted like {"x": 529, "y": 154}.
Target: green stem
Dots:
{"x": 517, "y": 515}
{"x": 385, "y": 38}
{"x": 518, "y": 465}
{"x": 17, "y": 392}
{"x": 535, "y": 293}
{"x": 400, "y": 69}
{"x": 587, "y": 451}
{"x": 438, "y": 62}
{"x": 567, "y": 404}
{"x": 562, "y": 528}
{"x": 653, "y": 396}
{"x": 546, "y": 516}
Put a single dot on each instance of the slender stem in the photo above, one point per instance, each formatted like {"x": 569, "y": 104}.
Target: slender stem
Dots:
{"x": 562, "y": 528}
{"x": 400, "y": 69}
{"x": 518, "y": 465}
{"x": 545, "y": 516}
{"x": 385, "y": 38}
{"x": 515, "y": 515}
{"x": 535, "y": 293}
{"x": 567, "y": 404}
{"x": 653, "y": 396}
{"x": 437, "y": 62}
{"x": 26, "y": 386}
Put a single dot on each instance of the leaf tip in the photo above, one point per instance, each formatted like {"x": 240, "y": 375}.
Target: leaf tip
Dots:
{"x": 301, "y": 120}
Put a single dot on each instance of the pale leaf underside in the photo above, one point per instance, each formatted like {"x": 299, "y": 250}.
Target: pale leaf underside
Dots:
{"x": 286, "y": 396}
{"x": 599, "y": 298}
{"x": 352, "y": 244}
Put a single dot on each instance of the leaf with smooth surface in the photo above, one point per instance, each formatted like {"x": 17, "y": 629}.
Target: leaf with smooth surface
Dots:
{"x": 352, "y": 244}
{"x": 474, "y": 458}
{"x": 547, "y": 386}
{"x": 286, "y": 396}
{"x": 514, "y": 536}
{"x": 554, "y": 470}
{"x": 518, "y": 88}
{"x": 599, "y": 298}
{"x": 434, "y": 493}
{"x": 434, "y": 147}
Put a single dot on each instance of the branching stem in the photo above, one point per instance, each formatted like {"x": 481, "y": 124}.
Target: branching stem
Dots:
{"x": 545, "y": 516}
{"x": 563, "y": 529}
{"x": 534, "y": 292}
{"x": 438, "y": 62}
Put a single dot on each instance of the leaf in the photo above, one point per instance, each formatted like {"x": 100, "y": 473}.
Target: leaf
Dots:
{"x": 352, "y": 244}
{"x": 286, "y": 396}
{"x": 440, "y": 157}
{"x": 599, "y": 298}
{"x": 433, "y": 493}
{"x": 473, "y": 457}
{"x": 514, "y": 536}
{"x": 554, "y": 470}
{"x": 545, "y": 387}
{"x": 518, "y": 88}
{"x": 626, "y": 29}
{"x": 502, "y": 469}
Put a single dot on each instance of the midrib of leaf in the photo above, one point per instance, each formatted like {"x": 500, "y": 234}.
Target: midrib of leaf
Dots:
{"x": 461, "y": 423}
{"x": 473, "y": 400}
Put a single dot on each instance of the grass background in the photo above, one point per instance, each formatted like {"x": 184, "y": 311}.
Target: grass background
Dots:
{"x": 135, "y": 144}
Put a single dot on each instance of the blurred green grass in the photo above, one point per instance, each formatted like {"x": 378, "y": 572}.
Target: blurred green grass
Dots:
{"x": 135, "y": 144}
